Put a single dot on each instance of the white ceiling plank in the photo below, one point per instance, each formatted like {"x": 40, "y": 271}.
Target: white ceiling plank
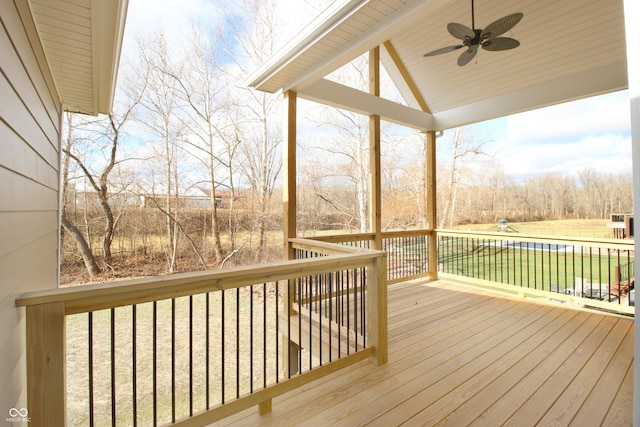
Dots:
{"x": 609, "y": 78}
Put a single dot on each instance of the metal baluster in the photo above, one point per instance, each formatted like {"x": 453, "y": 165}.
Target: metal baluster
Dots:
{"x": 90, "y": 339}
{"x": 134, "y": 364}
{"x": 113, "y": 366}
{"x": 520, "y": 251}
{"x": 320, "y": 296}
{"x": 355, "y": 306}
{"x": 251, "y": 339}
{"x": 558, "y": 266}
{"x": 300, "y": 293}
{"x": 363, "y": 309}
{"x": 535, "y": 269}
{"x": 190, "y": 355}
{"x": 222, "y": 347}
{"x": 237, "y": 343}
{"x": 207, "y": 351}
{"x": 173, "y": 360}
{"x": 348, "y": 313}
{"x": 155, "y": 363}
{"x": 264, "y": 334}
{"x": 508, "y": 263}
{"x": 287, "y": 306}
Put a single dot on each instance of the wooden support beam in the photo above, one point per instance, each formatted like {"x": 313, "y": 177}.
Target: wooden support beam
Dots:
{"x": 289, "y": 193}
{"x": 430, "y": 199}
{"x": 290, "y": 171}
{"x": 375, "y": 186}
{"x": 46, "y": 342}
{"x": 406, "y": 76}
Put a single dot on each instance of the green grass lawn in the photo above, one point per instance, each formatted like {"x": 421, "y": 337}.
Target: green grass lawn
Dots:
{"x": 538, "y": 268}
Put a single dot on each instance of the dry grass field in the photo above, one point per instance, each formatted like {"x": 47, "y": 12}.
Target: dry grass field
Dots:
{"x": 596, "y": 228}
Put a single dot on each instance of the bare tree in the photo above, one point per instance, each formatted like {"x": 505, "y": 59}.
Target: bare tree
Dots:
{"x": 208, "y": 118}
{"x": 161, "y": 104}
{"x": 260, "y": 132}
{"x": 463, "y": 148}
{"x": 85, "y": 250}
{"x": 345, "y": 143}
{"x": 107, "y": 133}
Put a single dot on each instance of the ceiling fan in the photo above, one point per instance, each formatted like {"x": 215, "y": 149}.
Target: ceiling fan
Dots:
{"x": 472, "y": 38}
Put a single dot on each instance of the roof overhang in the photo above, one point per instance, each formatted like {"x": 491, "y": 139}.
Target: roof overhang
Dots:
{"x": 82, "y": 41}
{"x": 569, "y": 50}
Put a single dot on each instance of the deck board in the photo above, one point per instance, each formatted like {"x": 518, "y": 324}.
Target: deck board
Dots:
{"x": 465, "y": 356}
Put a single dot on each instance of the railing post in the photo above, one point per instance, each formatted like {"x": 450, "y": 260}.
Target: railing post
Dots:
{"x": 46, "y": 341}
{"x": 377, "y": 309}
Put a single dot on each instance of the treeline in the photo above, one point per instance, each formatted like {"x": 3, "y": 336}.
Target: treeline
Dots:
{"x": 587, "y": 195}
{"x": 139, "y": 245}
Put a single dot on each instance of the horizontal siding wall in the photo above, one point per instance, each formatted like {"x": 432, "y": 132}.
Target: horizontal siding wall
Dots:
{"x": 29, "y": 158}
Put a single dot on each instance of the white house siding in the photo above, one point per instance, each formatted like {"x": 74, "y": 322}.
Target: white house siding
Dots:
{"x": 30, "y": 113}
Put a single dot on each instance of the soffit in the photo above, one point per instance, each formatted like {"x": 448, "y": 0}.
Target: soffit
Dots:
{"x": 82, "y": 43}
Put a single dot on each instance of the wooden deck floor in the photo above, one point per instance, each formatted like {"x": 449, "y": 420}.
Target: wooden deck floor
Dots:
{"x": 462, "y": 356}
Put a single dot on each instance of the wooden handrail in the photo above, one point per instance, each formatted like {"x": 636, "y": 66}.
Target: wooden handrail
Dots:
{"x": 406, "y": 233}
{"x": 342, "y": 238}
{"x": 328, "y": 248}
{"x": 87, "y": 298}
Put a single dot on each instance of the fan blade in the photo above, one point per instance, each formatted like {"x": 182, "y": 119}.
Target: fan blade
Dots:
{"x": 460, "y": 31}
{"x": 443, "y": 50}
{"x": 467, "y": 55}
{"x": 500, "y": 43}
{"x": 500, "y": 26}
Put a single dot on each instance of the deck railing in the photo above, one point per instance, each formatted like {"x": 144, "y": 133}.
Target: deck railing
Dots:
{"x": 595, "y": 272}
{"x": 190, "y": 349}
{"x": 407, "y": 251}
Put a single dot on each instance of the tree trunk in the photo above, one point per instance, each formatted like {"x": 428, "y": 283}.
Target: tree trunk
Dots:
{"x": 215, "y": 226}
{"x": 450, "y": 203}
{"x": 85, "y": 251}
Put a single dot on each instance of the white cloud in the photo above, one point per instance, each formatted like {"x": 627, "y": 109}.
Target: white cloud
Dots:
{"x": 604, "y": 153}
{"x": 175, "y": 17}
{"x": 563, "y": 139}
{"x": 606, "y": 114}
{"x": 171, "y": 16}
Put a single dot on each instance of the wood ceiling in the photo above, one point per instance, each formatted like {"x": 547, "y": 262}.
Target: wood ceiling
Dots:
{"x": 569, "y": 50}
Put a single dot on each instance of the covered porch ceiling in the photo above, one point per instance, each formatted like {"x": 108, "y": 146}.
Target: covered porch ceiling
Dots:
{"x": 569, "y": 50}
